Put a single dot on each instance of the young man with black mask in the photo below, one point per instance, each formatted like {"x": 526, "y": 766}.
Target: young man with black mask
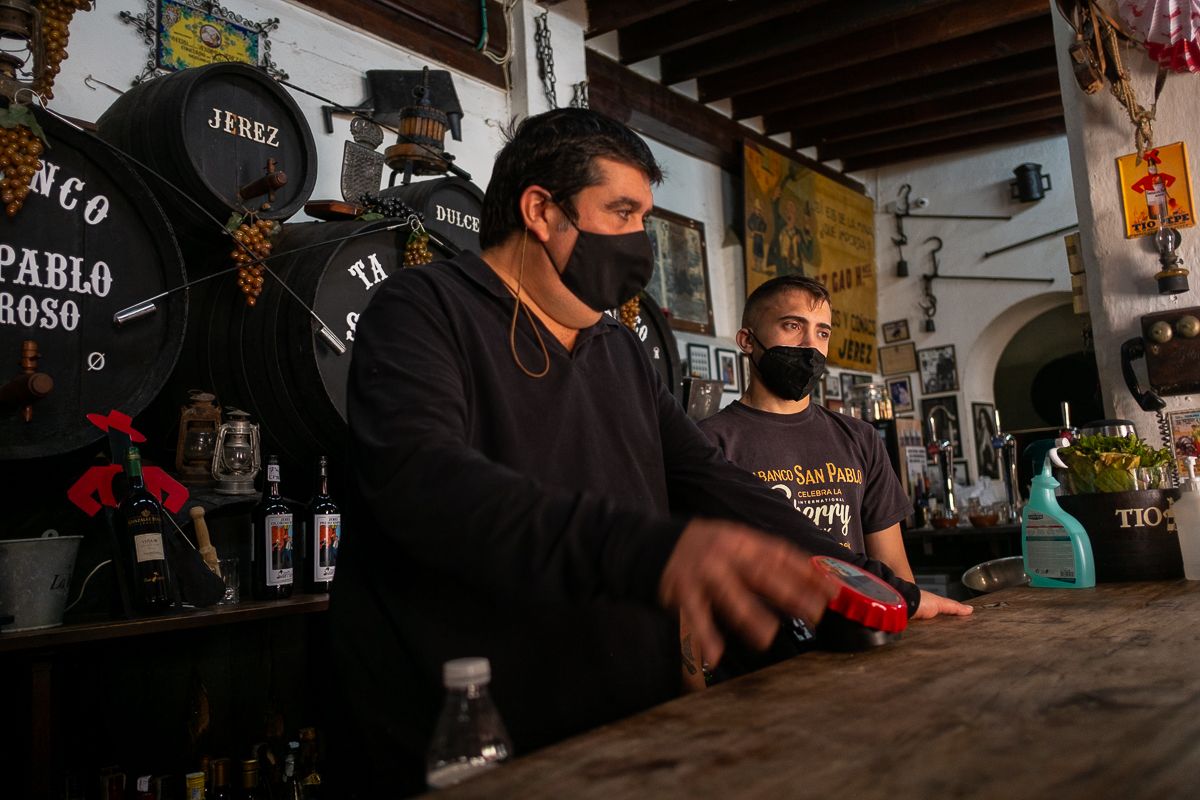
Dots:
{"x": 527, "y": 488}
{"x": 830, "y": 467}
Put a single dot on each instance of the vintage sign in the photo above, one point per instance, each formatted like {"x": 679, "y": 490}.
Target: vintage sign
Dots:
{"x": 1156, "y": 191}
{"x": 799, "y": 222}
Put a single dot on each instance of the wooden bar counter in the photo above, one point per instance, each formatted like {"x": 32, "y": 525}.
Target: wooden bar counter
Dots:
{"x": 1040, "y": 693}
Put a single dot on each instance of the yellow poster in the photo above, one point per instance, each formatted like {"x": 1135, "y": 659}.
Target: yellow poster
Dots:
{"x": 1157, "y": 191}
{"x": 798, "y": 222}
{"x": 188, "y": 37}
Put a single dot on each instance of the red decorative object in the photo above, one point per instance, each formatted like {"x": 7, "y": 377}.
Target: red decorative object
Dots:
{"x": 1170, "y": 30}
{"x": 94, "y": 489}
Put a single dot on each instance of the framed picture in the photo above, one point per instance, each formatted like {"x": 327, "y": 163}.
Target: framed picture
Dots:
{"x": 680, "y": 279}
{"x": 727, "y": 369}
{"x": 898, "y": 359}
{"x": 1185, "y": 434}
{"x": 833, "y": 387}
{"x": 896, "y": 331}
{"x": 900, "y": 391}
{"x": 697, "y": 361}
{"x": 852, "y": 379}
{"x": 939, "y": 369}
{"x": 962, "y": 475}
{"x": 983, "y": 425}
{"x": 947, "y": 419}
{"x": 835, "y": 405}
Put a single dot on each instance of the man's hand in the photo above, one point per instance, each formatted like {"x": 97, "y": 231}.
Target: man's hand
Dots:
{"x": 934, "y": 604}
{"x": 726, "y": 570}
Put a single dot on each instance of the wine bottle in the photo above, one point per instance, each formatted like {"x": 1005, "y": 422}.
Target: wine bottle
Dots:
{"x": 271, "y": 548}
{"x": 324, "y": 523}
{"x": 141, "y": 520}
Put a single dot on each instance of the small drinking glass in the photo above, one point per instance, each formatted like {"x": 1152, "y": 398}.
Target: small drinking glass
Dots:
{"x": 229, "y": 574}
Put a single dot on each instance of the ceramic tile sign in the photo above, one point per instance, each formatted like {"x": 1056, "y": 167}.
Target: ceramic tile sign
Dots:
{"x": 1156, "y": 191}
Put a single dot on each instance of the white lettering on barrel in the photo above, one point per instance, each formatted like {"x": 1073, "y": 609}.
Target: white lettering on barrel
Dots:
{"x": 64, "y": 194}
{"x": 49, "y": 321}
{"x": 43, "y": 179}
{"x": 352, "y": 321}
{"x": 457, "y": 218}
{"x": 24, "y": 310}
{"x": 6, "y": 309}
{"x": 7, "y": 257}
{"x": 28, "y": 276}
{"x": 101, "y": 279}
{"x": 1150, "y": 517}
{"x": 76, "y": 273}
{"x": 377, "y": 272}
{"x": 56, "y": 271}
{"x": 27, "y": 311}
{"x": 244, "y": 127}
{"x": 96, "y": 211}
{"x": 356, "y": 269}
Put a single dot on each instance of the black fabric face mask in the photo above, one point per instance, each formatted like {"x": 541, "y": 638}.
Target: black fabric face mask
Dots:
{"x": 791, "y": 373}
{"x": 606, "y": 269}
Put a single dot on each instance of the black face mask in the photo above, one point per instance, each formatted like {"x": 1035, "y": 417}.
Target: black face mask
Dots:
{"x": 605, "y": 269}
{"x": 791, "y": 373}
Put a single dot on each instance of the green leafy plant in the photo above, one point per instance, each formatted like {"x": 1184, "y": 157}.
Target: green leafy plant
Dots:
{"x": 1101, "y": 463}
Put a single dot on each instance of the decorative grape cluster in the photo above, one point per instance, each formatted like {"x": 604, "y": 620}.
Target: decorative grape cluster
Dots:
{"x": 56, "y": 22}
{"x": 416, "y": 251}
{"x": 385, "y": 206}
{"x": 256, "y": 236}
{"x": 630, "y": 311}
{"x": 19, "y": 151}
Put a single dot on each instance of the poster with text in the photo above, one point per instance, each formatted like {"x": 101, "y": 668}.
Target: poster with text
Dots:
{"x": 799, "y": 222}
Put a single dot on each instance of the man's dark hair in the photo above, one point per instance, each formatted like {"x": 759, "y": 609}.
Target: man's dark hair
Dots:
{"x": 777, "y": 286}
{"x": 557, "y": 151}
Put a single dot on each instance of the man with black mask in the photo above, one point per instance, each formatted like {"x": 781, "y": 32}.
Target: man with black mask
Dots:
{"x": 528, "y": 489}
{"x": 830, "y": 467}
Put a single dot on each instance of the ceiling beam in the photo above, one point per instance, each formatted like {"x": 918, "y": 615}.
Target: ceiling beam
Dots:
{"x": 608, "y": 15}
{"x": 680, "y": 122}
{"x": 973, "y": 101}
{"x": 904, "y": 94}
{"x": 1035, "y": 111}
{"x": 1015, "y": 133}
{"x": 967, "y": 51}
{"x": 699, "y": 23}
{"x": 902, "y": 36}
{"x": 781, "y": 37}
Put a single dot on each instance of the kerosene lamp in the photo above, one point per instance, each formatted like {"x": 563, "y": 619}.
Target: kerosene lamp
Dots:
{"x": 237, "y": 454}
{"x": 199, "y": 422}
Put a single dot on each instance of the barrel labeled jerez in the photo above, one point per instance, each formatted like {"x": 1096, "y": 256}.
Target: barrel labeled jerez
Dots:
{"x": 272, "y": 551}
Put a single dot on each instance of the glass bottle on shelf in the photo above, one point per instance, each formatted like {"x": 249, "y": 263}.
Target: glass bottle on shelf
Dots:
{"x": 219, "y": 788}
{"x": 140, "y": 519}
{"x": 469, "y": 737}
{"x": 324, "y": 529}
{"x": 272, "y": 548}
{"x": 251, "y": 790}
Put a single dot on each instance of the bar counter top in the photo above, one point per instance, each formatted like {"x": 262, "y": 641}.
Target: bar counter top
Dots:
{"x": 1041, "y": 693}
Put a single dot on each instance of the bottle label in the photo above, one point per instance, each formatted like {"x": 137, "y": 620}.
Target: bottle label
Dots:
{"x": 327, "y": 529}
{"x": 148, "y": 547}
{"x": 273, "y": 472}
{"x": 279, "y": 549}
{"x": 1049, "y": 549}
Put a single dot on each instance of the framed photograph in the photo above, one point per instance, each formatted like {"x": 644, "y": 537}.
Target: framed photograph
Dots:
{"x": 697, "y": 361}
{"x": 962, "y": 475}
{"x": 983, "y": 425}
{"x": 947, "y": 419}
{"x": 833, "y": 387}
{"x": 835, "y": 405}
{"x": 900, "y": 390}
{"x": 727, "y": 369}
{"x": 850, "y": 380}
{"x": 897, "y": 359}
{"x": 680, "y": 279}
{"x": 939, "y": 369}
{"x": 896, "y": 331}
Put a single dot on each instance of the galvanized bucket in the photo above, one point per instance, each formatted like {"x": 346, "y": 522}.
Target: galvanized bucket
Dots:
{"x": 34, "y": 578}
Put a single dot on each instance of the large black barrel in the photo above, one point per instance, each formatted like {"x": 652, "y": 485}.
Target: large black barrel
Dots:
{"x": 655, "y": 334}
{"x": 91, "y": 240}
{"x": 451, "y": 207}
{"x": 211, "y": 131}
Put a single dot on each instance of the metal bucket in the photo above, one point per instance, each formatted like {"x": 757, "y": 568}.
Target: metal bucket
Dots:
{"x": 34, "y": 578}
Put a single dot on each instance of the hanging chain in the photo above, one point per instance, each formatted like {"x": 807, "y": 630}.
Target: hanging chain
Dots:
{"x": 579, "y": 95}
{"x": 545, "y": 56}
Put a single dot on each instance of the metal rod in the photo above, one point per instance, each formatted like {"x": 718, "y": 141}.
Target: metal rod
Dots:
{"x": 989, "y": 278}
{"x": 1030, "y": 240}
{"x": 960, "y": 216}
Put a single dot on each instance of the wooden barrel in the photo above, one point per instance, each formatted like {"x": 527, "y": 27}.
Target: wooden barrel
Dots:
{"x": 1132, "y": 533}
{"x": 90, "y": 241}
{"x": 656, "y": 337}
{"x": 452, "y": 208}
{"x": 211, "y": 131}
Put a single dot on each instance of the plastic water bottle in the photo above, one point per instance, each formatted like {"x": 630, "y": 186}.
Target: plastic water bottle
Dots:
{"x": 1186, "y": 511}
{"x": 470, "y": 737}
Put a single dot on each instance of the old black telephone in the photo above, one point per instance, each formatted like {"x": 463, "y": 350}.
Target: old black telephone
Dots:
{"x": 1170, "y": 344}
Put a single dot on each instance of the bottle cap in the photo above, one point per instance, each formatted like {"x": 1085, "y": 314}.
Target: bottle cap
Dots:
{"x": 862, "y": 597}
{"x": 463, "y": 672}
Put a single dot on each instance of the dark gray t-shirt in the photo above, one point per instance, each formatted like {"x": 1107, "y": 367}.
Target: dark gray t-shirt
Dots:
{"x": 833, "y": 468}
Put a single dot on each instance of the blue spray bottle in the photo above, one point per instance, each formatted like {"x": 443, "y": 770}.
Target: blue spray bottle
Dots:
{"x": 1057, "y": 550}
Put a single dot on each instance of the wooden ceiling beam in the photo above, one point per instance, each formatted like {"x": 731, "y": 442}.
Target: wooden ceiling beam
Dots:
{"x": 792, "y": 34}
{"x": 962, "y": 104}
{"x": 680, "y": 122}
{"x": 1035, "y": 111}
{"x": 1007, "y": 70}
{"x": 902, "y": 36}
{"x": 967, "y": 51}
{"x": 699, "y": 23}
{"x": 1008, "y": 135}
{"x": 608, "y": 15}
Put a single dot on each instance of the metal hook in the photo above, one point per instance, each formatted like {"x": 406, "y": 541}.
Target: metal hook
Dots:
{"x": 902, "y": 200}
{"x": 934, "y": 253}
{"x": 89, "y": 79}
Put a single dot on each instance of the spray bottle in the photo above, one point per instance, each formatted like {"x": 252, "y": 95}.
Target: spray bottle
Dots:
{"x": 1057, "y": 550}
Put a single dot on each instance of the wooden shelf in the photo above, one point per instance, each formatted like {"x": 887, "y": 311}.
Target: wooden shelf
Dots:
{"x": 82, "y": 633}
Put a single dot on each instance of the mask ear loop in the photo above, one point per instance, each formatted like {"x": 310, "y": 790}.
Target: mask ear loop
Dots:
{"x": 512, "y": 328}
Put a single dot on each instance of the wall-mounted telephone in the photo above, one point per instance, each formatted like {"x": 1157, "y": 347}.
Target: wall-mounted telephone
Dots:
{"x": 1170, "y": 343}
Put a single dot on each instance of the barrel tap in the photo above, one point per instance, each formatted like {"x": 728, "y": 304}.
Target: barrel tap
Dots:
{"x": 28, "y": 386}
